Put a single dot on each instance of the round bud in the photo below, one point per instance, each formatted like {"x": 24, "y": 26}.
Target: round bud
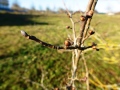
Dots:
{"x": 67, "y": 43}
{"x": 94, "y": 44}
{"x": 68, "y": 27}
{"x": 56, "y": 88}
{"x": 91, "y": 32}
{"x": 94, "y": 47}
{"x": 82, "y": 18}
{"x": 90, "y": 13}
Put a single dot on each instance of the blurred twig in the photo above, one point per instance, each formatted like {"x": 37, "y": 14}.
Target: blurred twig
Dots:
{"x": 86, "y": 71}
{"x": 40, "y": 84}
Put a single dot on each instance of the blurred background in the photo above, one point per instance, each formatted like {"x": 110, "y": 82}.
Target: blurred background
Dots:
{"x": 104, "y": 6}
{"x": 26, "y": 65}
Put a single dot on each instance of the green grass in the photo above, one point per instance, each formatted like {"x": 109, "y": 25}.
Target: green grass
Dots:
{"x": 21, "y": 58}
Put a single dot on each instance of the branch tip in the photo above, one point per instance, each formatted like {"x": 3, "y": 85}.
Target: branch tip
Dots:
{"x": 24, "y": 33}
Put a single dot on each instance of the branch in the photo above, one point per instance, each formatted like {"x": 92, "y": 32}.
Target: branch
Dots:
{"x": 89, "y": 20}
{"x": 83, "y": 24}
{"x": 50, "y": 45}
{"x": 87, "y": 72}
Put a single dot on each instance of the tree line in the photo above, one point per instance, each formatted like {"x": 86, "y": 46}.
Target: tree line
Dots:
{"x": 4, "y": 3}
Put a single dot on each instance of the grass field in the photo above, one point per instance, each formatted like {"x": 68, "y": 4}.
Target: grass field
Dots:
{"x": 23, "y": 62}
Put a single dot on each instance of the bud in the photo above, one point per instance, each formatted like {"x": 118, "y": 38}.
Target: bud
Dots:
{"x": 90, "y": 13}
{"x": 68, "y": 15}
{"x": 68, "y": 27}
{"x": 24, "y": 33}
{"x": 91, "y": 32}
{"x": 56, "y": 89}
{"x": 94, "y": 46}
{"x": 82, "y": 18}
{"x": 67, "y": 43}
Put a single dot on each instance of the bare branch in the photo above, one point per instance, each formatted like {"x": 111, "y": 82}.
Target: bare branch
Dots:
{"x": 50, "y": 45}
{"x": 83, "y": 24}
{"x": 87, "y": 72}
{"x": 36, "y": 83}
{"x": 73, "y": 23}
{"x": 89, "y": 19}
{"x": 68, "y": 13}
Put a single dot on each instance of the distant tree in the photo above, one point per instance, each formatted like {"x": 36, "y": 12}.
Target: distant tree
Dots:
{"x": 33, "y": 8}
{"x": 48, "y": 9}
{"x": 15, "y": 6}
{"x": 61, "y": 10}
{"x": 109, "y": 9}
{"x": 4, "y": 3}
{"x": 40, "y": 8}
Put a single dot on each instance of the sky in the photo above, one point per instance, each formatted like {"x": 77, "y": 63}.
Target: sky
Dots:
{"x": 75, "y": 5}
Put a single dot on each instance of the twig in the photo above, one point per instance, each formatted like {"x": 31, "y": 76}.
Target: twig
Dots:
{"x": 83, "y": 24}
{"x": 50, "y": 45}
{"x": 73, "y": 28}
{"x": 68, "y": 13}
{"x": 33, "y": 82}
{"x": 87, "y": 72}
{"x": 40, "y": 84}
{"x": 73, "y": 23}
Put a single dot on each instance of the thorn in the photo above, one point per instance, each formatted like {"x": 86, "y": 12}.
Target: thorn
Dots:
{"x": 24, "y": 33}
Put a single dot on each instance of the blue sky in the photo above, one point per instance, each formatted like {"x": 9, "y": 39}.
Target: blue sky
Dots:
{"x": 102, "y": 5}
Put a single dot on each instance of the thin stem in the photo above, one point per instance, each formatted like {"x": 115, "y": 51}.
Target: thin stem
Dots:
{"x": 87, "y": 72}
{"x": 36, "y": 83}
{"x": 73, "y": 29}
{"x": 50, "y": 45}
{"x": 73, "y": 23}
{"x": 73, "y": 66}
{"x": 69, "y": 14}
{"x": 85, "y": 38}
